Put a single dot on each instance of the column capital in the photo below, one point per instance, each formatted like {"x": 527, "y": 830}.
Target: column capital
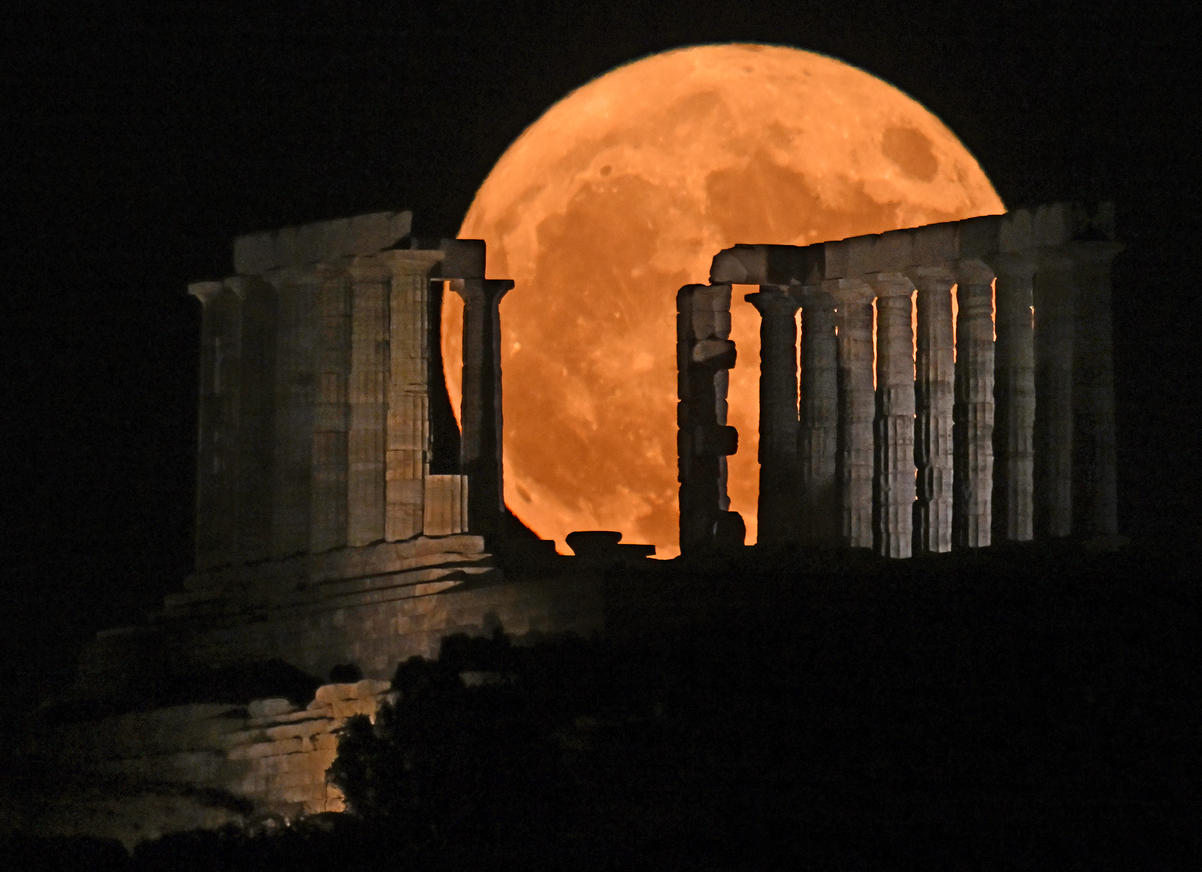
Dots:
{"x": 848, "y": 291}
{"x": 813, "y": 297}
{"x": 1015, "y": 265}
{"x": 931, "y": 277}
{"x": 206, "y": 292}
{"x": 973, "y": 272}
{"x": 890, "y": 284}
{"x": 481, "y": 291}
{"x": 773, "y": 300}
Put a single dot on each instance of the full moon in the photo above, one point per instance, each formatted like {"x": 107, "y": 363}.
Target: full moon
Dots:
{"x": 621, "y": 193}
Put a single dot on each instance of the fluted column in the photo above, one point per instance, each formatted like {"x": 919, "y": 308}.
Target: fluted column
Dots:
{"x": 408, "y": 447}
{"x": 256, "y": 417}
{"x": 777, "y": 504}
{"x": 480, "y": 446}
{"x": 972, "y": 428}
{"x": 1053, "y": 439}
{"x": 213, "y": 457}
{"x": 368, "y": 398}
{"x": 1014, "y": 399}
{"x": 857, "y": 409}
{"x": 295, "y": 392}
{"x": 1094, "y": 487}
{"x": 894, "y": 471}
{"x": 933, "y": 390}
{"x": 328, "y": 512}
{"x": 817, "y": 438}
{"x": 704, "y": 354}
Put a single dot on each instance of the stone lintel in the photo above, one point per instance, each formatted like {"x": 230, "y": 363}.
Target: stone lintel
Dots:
{"x": 258, "y": 253}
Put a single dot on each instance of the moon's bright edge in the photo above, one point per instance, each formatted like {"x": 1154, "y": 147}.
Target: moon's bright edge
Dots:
{"x": 621, "y": 193}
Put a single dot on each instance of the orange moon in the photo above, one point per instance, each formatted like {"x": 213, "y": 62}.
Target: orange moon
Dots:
{"x": 621, "y": 193}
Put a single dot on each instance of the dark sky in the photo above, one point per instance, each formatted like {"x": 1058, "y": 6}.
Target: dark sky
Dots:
{"x": 140, "y": 138}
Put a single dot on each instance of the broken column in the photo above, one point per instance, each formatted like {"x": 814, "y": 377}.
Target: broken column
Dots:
{"x": 972, "y": 413}
{"x": 704, "y": 355}
{"x": 1014, "y": 399}
{"x": 894, "y": 471}
{"x": 1053, "y": 434}
{"x": 817, "y": 439}
{"x": 778, "y": 413}
{"x": 857, "y": 409}
{"x": 933, "y": 389}
{"x": 480, "y": 446}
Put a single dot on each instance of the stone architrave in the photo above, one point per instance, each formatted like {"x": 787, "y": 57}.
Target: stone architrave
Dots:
{"x": 1094, "y": 486}
{"x": 368, "y": 398}
{"x": 857, "y": 409}
{"x": 1014, "y": 398}
{"x": 407, "y": 444}
{"x": 972, "y": 429}
{"x": 778, "y": 413}
{"x": 1055, "y": 292}
{"x": 331, "y": 413}
{"x": 704, "y": 355}
{"x": 933, "y": 397}
{"x": 297, "y": 295}
{"x": 818, "y": 434}
{"x": 480, "y": 453}
{"x": 894, "y": 470}
{"x": 256, "y": 417}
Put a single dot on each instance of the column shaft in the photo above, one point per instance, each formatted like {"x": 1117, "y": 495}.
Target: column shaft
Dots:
{"x": 857, "y": 410}
{"x": 817, "y": 446}
{"x": 972, "y": 430}
{"x": 894, "y": 471}
{"x": 480, "y": 446}
{"x": 777, "y": 506}
{"x": 704, "y": 353}
{"x": 1053, "y": 437}
{"x": 1014, "y": 400}
{"x": 933, "y": 393}
{"x": 328, "y": 513}
{"x": 368, "y": 408}
{"x": 256, "y": 443}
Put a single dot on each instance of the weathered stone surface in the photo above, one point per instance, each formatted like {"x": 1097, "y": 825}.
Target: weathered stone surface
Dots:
{"x": 972, "y": 433}
{"x": 324, "y": 241}
{"x": 817, "y": 438}
{"x": 893, "y": 490}
{"x": 777, "y": 507}
{"x": 1052, "y": 476}
{"x": 857, "y": 409}
{"x": 933, "y": 387}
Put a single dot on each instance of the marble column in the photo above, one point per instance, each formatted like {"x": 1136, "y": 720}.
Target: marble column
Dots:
{"x": 407, "y": 441}
{"x": 818, "y": 434}
{"x": 331, "y": 411}
{"x": 777, "y": 507}
{"x": 893, "y": 428}
{"x": 1094, "y": 487}
{"x": 1014, "y": 398}
{"x": 368, "y": 399}
{"x": 704, "y": 354}
{"x": 1055, "y": 313}
{"x": 297, "y": 293}
{"x": 933, "y": 398}
{"x": 256, "y": 414}
{"x": 215, "y": 454}
{"x": 480, "y": 446}
{"x": 972, "y": 414}
{"x": 857, "y": 409}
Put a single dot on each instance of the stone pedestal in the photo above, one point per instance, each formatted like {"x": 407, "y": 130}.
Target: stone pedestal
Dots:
{"x": 817, "y": 445}
{"x": 1055, "y": 308}
{"x": 1014, "y": 399}
{"x": 972, "y": 414}
{"x": 704, "y": 355}
{"x": 894, "y": 470}
{"x": 857, "y": 409}
{"x": 481, "y": 421}
{"x": 777, "y": 505}
{"x": 933, "y": 388}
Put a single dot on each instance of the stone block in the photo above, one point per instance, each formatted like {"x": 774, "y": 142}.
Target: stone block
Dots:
{"x": 464, "y": 258}
{"x": 260, "y": 709}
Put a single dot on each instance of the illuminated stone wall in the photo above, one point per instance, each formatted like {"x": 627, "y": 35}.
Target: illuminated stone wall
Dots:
{"x": 1004, "y": 434}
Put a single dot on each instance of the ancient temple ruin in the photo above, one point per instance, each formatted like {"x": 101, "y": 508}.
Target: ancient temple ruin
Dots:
{"x": 955, "y": 387}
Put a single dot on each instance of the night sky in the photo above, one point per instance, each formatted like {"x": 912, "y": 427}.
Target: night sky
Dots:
{"x": 139, "y": 139}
